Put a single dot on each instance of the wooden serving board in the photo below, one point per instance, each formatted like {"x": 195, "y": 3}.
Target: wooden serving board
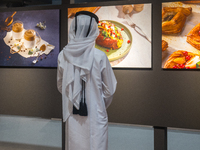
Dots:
{"x": 73, "y": 11}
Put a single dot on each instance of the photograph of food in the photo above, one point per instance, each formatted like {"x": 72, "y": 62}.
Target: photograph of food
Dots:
{"x": 124, "y": 33}
{"x": 29, "y": 41}
{"x": 109, "y": 35}
{"x": 181, "y": 35}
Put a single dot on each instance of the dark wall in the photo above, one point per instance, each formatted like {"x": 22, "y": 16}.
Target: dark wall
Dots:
{"x": 32, "y": 91}
{"x": 29, "y": 92}
{"x": 157, "y": 97}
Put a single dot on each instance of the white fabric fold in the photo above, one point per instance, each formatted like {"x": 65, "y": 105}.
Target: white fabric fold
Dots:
{"x": 79, "y": 53}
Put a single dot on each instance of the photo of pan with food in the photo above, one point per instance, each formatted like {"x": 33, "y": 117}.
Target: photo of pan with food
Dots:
{"x": 124, "y": 33}
{"x": 29, "y": 41}
{"x": 181, "y": 35}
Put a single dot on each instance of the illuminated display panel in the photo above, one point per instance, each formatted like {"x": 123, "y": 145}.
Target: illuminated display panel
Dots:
{"x": 180, "y": 35}
{"x": 32, "y": 40}
{"x": 125, "y": 38}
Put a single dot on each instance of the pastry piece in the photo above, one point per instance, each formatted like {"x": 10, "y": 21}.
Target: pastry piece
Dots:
{"x": 182, "y": 60}
{"x": 138, "y": 7}
{"x": 127, "y": 9}
{"x": 191, "y": 2}
{"x": 193, "y": 37}
{"x": 109, "y": 35}
{"x": 164, "y": 45}
{"x": 173, "y": 19}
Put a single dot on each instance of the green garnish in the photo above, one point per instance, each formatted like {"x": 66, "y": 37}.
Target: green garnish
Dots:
{"x": 105, "y": 34}
{"x": 30, "y": 52}
{"x": 198, "y": 64}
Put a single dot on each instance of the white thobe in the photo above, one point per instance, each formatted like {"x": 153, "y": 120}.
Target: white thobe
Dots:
{"x": 90, "y": 132}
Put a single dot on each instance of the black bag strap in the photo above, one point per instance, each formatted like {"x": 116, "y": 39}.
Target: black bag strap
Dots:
{"x": 76, "y": 111}
{"x": 83, "y": 106}
{"x": 83, "y": 93}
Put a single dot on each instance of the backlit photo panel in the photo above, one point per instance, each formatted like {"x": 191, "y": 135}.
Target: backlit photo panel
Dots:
{"x": 124, "y": 33}
{"x": 181, "y": 35}
{"x": 29, "y": 38}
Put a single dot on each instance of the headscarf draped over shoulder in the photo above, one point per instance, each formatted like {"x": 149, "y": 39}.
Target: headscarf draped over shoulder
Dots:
{"x": 79, "y": 54}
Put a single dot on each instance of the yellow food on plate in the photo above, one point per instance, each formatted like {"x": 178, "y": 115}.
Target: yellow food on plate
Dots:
{"x": 109, "y": 35}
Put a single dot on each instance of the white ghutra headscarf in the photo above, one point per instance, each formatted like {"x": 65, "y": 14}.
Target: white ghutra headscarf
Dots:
{"x": 79, "y": 54}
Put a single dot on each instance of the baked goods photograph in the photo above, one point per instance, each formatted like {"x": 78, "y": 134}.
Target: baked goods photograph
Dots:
{"x": 191, "y": 2}
{"x": 173, "y": 19}
{"x": 193, "y": 37}
{"x": 164, "y": 45}
{"x": 181, "y": 30}
{"x": 124, "y": 33}
{"x": 182, "y": 60}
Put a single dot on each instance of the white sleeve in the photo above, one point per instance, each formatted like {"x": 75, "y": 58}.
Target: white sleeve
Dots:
{"x": 109, "y": 82}
{"x": 59, "y": 77}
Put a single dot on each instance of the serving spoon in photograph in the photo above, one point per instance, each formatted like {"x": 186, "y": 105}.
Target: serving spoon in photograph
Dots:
{"x": 9, "y": 19}
{"x": 36, "y": 60}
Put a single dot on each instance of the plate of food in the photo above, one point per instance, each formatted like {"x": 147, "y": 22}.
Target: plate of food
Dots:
{"x": 114, "y": 39}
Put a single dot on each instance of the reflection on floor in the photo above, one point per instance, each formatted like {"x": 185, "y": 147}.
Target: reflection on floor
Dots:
{"x": 16, "y": 146}
{"x": 183, "y": 139}
{"x": 129, "y": 137}
{"x": 24, "y": 133}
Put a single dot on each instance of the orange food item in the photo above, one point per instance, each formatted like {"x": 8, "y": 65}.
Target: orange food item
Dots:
{"x": 43, "y": 47}
{"x": 109, "y": 35}
{"x": 164, "y": 45}
{"x": 17, "y": 27}
{"x": 30, "y": 35}
{"x": 179, "y": 60}
{"x": 173, "y": 19}
{"x": 191, "y": 2}
{"x": 192, "y": 63}
{"x": 193, "y": 37}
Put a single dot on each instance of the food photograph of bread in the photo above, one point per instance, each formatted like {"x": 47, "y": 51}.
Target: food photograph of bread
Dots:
{"x": 181, "y": 32}
{"x": 124, "y": 33}
{"x": 173, "y": 19}
{"x": 183, "y": 60}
